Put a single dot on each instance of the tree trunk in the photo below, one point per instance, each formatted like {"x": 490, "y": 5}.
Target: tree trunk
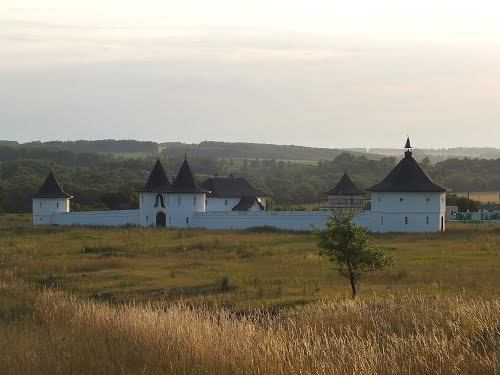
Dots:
{"x": 353, "y": 283}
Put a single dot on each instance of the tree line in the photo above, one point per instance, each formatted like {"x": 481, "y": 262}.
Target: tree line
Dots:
{"x": 105, "y": 181}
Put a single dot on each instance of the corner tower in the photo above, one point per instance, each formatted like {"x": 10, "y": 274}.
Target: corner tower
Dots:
{"x": 407, "y": 200}
{"x": 49, "y": 200}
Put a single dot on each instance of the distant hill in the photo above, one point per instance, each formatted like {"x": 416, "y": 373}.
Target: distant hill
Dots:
{"x": 240, "y": 150}
{"x": 101, "y": 146}
{"x": 440, "y": 154}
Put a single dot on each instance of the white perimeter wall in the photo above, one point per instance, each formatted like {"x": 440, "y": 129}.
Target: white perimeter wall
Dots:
{"x": 287, "y": 220}
{"x": 105, "y": 218}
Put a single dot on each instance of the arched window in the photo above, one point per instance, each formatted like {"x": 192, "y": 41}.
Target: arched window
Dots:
{"x": 187, "y": 220}
{"x": 427, "y": 220}
{"x": 406, "y": 220}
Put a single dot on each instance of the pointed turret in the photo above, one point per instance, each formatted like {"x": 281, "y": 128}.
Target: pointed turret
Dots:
{"x": 185, "y": 182}
{"x": 158, "y": 180}
{"x": 407, "y": 176}
{"x": 51, "y": 189}
{"x": 345, "y": 186}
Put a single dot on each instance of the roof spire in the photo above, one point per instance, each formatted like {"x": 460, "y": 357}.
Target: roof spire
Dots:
{"x": 408, "y": 148}
{"x": 408, "y": 145}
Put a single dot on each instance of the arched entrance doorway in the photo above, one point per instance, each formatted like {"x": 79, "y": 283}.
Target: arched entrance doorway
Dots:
{"x": 161, "y": 219}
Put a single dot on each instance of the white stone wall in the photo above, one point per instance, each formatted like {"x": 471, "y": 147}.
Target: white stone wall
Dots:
{"x": 286, "y": 220}
{"x": 45, "y": 208}
{"x": 104, "y": 218}
{"x": 408, "y": 212}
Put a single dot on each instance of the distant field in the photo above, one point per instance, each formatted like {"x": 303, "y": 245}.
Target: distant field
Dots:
{"x": 135, "y": 300}
{"x": 262, "y": 269}
{"x": 483, "y": 196}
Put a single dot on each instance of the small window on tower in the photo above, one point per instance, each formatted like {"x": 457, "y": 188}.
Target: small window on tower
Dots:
{"x": 187, "y": 220}
{"x": 400, "y": 199}
{"x": 40, "y": 204}
{"x": 381, "y": 220}
{"x": 427, "y": 220}
{"x": 147, "y": 219}
{"x": 428, "y": 199}
{"x": 225, "y": 202}
{"x": 57, "y": 204}
{"x": 406, "y": 220}
{"x": 194, "y": 201}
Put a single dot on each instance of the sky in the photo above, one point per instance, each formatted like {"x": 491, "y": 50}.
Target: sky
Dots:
{"x": 314, "y": 73}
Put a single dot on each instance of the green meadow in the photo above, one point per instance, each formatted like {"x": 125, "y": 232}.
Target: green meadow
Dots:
{"x": 238, "y": 270}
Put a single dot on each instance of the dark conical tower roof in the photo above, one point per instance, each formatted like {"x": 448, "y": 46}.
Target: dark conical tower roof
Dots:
{"x": 158, "y": 180}
{"x": 345, "y": 186}
{"x": 407, "y": 176}
{"x": 51, "y": 189}
{"x": 185, "y": 182}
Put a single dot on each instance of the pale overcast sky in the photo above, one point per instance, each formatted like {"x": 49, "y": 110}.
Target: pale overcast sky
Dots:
{"x": 315, "y": 73}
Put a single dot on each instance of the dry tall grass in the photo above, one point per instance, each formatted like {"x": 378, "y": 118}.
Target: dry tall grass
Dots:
{"x": 50, "y": 332}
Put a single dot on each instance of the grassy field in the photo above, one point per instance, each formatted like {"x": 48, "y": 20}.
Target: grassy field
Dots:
{"x": 482, "y": 196}
{"x": 130, "y": 300}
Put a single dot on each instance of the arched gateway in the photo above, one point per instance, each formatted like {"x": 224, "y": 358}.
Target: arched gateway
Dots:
{"x": 161, "y": 219}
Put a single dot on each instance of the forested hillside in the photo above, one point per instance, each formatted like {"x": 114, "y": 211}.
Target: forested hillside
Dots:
{"x": 105, "y": 181}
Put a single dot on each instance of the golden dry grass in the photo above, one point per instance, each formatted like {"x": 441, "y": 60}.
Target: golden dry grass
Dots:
{"x": 52, "y": 333}
{"x": 482, "y": 196}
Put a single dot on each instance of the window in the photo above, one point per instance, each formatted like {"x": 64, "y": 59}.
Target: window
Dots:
{"x": 406, "y": 220}
{"x": 400, "y": 199}
{"x": 147, "y": 219}
{"x": 170, "y": 220}
{"x": 40, "y": 204}
{"x": 206, "y": 202}
{"x": 427, "y": 220}
{"x": 194, "y": 201}
{"x": 57, "y": 204}
{"x": 381, "y": 220}
{"x": 225, "y": 202}
{"x": 187, "y": 220}
{"x": 428, "y": 199}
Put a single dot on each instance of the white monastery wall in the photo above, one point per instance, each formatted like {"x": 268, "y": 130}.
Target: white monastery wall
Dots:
{"x": 286, "y": 220}
{"x": 104, "y": 218}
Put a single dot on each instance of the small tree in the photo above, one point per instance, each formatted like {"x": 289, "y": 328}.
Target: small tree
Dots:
{"x": 347, "y": 245}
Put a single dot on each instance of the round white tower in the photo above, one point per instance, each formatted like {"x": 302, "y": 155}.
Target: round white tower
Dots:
{"x": 49, "y": 200}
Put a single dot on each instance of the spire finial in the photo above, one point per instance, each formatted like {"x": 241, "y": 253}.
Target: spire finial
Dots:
{"x": 408, "y": 148}
{"x": 408, "y": 145}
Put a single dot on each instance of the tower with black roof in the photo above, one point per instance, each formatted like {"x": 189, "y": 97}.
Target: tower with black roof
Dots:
{"x": 49, "y": 200}
{"x": 345, "y": 196}
{"x": 170, "y": 204}
{"x": 407, "y": 200}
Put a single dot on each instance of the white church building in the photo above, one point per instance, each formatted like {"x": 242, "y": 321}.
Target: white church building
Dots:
{"x": 405, "y": 201}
